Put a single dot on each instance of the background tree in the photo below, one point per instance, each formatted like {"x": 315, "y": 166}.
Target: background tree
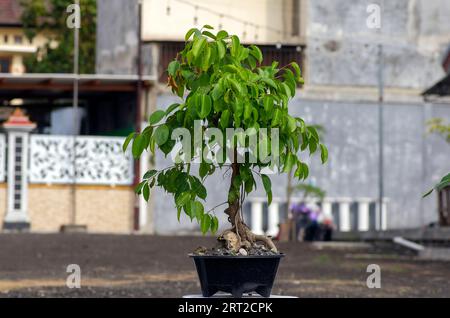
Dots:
{"x": 49, "y": 18}
{"x": 440, "y": 127}
{"x": 226, "y": 88}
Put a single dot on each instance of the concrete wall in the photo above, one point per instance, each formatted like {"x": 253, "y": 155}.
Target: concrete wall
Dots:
{"x": 414, "y": 161}
{"x": 102, "y": 209}
{"x": 158, "y": 25}
{"x": 117, "y": 38}
{"x": 342, "y": 50}
{"x": 3, "y": 203}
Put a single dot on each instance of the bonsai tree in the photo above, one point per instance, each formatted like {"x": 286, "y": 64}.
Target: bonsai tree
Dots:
{"x": 223, "y": 86}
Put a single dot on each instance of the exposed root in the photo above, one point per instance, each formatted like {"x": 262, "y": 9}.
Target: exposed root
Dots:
{"x": 240, "y": 235}
{"x": 234, "y": 242}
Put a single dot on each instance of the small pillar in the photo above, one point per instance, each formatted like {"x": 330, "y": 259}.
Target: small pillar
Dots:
{"x": 327, "y": 209}
{"x": 344, "y": 214}
{"x": 273, "y": 219}
{"x": 257, "y": 217}
{"x": 363, "y": 214}
{"x": 18, "y": 127}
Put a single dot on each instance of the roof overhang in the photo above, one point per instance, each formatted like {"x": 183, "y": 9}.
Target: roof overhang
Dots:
{"x": 440, "y": 89}
{"x": 31, "y": 85}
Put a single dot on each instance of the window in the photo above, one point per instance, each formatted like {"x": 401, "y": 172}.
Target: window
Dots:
{"x": 18, "y": 39}
{"x": 5, "y": 65}
{"x": 284, "y": 55}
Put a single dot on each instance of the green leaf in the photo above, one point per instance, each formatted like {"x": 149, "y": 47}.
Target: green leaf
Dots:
{"x": 268, "y": 103}
{"x": 171, "y": 108}
{"x": 269, "y": 82}
{"x": 312, "y": 146}
{"x": 209, "y": 34}
{"x": 286, "y": 90}
{"x": 206, "y": 56}
{"x": 198, "y": 187}
{"x": 146, "y": 192}
{"x": 214, "y": 224}
{"x": 138, "y": 188}
{"x": 323, "y": 153}
{"x": 427, "y": 193}
{"x": 235, "y": 46}
{"x": 221, "y": 49}
{"x": 137, "y": 146}
{"x": 197, "y": 210}
{"x": 217, "y": 91}
{"x": 267, "y": 187}
{"x": 297, "y": 70}
{"x": 203, "y": 169}
{"x": 290, "y": 161}
{"x": 189, "y": 33}
{"x": 156, "y": 117}
{"x": 127, "y": 141}
{"x": 199, "y": 43}
{"x": 276, "y": 120}
{"x": 207, "y": 26}
{"x": 161, "y": 135}
{"x": 222, "y": 35}
{"x": 313, "y": 133}
{"x": 225, "y": 119}
{"x": 178, "y": 213}
{"x": 256, "y": 52}
{"x": 292, "y": 124}
{"x": 305, "y": 170}
{"x": 445, "y": 182}
{"x": 266, "y": 183}
{"x": 205, "y": 223}
{"x": 205, "y": 106}
{"x": 150, "y": 174}
{"x": 173, "y": 67}
{"x": 182, "y": 199}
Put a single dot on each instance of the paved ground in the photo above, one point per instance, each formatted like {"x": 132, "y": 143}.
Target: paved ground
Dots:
{"x": 33, "y": 265}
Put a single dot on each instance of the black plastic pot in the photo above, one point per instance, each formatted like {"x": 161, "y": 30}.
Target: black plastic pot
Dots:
{"x": 237, "y": 274}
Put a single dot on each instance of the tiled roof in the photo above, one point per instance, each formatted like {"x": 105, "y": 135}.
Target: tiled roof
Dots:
{"x": 10, "y": 11}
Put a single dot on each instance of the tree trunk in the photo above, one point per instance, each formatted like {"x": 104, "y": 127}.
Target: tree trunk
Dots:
{"x": 245, "y": 238}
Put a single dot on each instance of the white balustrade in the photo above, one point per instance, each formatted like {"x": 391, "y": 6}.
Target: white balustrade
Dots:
{"x": 273, "y": 219}
{"x": 327, "y": 209}
{"x": 363, "y": 210}
{"x": 2, "y": 157}
{"x": 363, "y": 214}
{"x": 384, "y": 215}
{"x": 257, "y": 217}
{"x": 99, "y": 160}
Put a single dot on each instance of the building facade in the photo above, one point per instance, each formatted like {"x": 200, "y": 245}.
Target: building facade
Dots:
{"x": 339, "y": 52}
{"x": 14, "y": 45}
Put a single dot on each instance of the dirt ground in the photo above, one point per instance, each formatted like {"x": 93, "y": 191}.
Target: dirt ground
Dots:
{"x": 34, "y": 265}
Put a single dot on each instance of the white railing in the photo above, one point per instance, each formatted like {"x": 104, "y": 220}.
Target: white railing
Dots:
{"x": 348, "y": 214}
{"x": 99, "y": 160}
{"x": 2, "y": 157}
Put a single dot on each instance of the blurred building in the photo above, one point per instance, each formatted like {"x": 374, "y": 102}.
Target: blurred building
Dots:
{"x": 338, "y": 49}
{"x": 14, "y": 45}
{"x": 337, "y": 44}
{"x": 60, "y": 166}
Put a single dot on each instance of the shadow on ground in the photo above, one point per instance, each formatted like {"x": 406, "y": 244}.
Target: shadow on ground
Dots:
{"x": 34, "y": 265}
